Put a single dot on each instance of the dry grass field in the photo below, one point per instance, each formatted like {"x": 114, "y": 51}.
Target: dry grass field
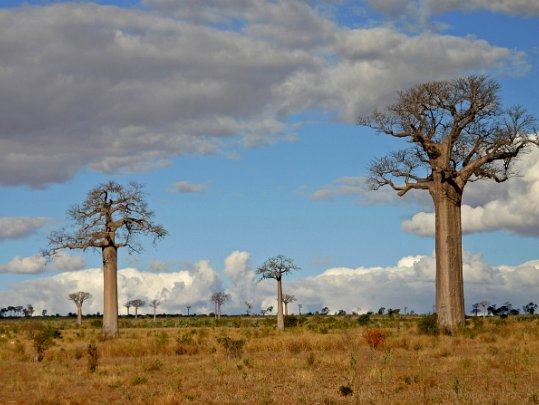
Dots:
{"x": 320, "y": 360}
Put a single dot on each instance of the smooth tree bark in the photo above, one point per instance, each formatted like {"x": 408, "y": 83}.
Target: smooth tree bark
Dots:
{"x": 459, "y": 133}
{"x": 276, "y": 267}
{"x": 78, "y": 298}
{"x": 111, "y": 217}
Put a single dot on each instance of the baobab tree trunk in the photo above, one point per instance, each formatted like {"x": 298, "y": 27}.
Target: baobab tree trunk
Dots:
{"x": 110, "y": 288}
{"x": 448, "y": 246}
{"x": 280, "y": 318}
{"x": 79, "y": 314}
{"x": 286, "y": 309}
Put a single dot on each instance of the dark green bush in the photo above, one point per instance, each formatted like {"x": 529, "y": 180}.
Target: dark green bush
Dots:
{"x": 428, "y": 325}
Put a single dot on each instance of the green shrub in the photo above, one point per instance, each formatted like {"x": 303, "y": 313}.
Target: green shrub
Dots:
{"x": 428, "y": 325}
{"x": 364, "y": 319}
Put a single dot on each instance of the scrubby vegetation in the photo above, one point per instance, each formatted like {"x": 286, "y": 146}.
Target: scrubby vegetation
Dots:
{"x": 244, "y": 360}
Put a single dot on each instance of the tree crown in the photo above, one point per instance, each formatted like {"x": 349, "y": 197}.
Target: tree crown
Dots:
{"x": 220, "y": 297}
{"x": 79, "y": 297}
{"x": 457, "y": 129}
{"x": 111, "y": 216}
{"x": 276, "y": 266}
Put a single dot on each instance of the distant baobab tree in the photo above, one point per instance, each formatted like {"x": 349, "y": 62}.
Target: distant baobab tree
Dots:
{"x": 288, "y": 299}
{"x": 155, "y": 303}
{"x": 276, "y": 267}
{"x": 78, "y": 298}
{"x": 137, "y": 304}
{"x": 188, "y": 309}
{"x": 111, "y": 217}
{"x": 484, "y": 306}
{"x": 127, "y": 305}
{"x": 300, "y": 307}
{"x": 459, "y": 133}
{"x": 249, "y": 308}
{"x": 219, "y": 298}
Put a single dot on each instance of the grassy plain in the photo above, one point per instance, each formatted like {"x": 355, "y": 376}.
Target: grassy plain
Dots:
{"x": 316, "y": 360}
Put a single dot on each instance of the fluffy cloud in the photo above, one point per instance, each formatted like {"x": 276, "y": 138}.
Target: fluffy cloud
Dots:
{"x": 62, "y": 261}
{"x": 188, "y": 187}
{"x": 19, "y": 227}
{"x": 511, "y": 206}
{"x": 129, "y": 89}
{"x": 410, "y": 283}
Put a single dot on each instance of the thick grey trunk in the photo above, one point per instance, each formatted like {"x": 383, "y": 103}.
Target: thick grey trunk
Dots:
{"x": 448, "y": 241}
{"x": 79, "y": 314}
{"x": 110, "y": 288}
{"x": 280, "y": 317}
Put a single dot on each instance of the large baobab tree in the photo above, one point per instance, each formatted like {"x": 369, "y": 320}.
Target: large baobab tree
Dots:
{"x": 288, "y": 299}
{"x": 219, "y": 298}
{"x": 111, "y": 217}
{"x": 276, "y": 267}
{"x": 78, "y": 298}
{"x": 459, "y": 133}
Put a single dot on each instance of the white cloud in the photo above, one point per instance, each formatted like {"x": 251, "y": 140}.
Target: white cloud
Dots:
{"x": 512, "y": 206}
{"x": 193, "y": 81}
{"x": 410, "y": 284}
{"x": 188, "y": 187}
{"x": 19, "y": 227}
{"x": 61, "y": 261}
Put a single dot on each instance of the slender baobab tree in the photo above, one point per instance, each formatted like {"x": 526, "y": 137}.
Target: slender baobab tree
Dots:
{"x": 137, "y": 304}
{"x": 219, "y": 298}
{"x": 288, "y": 299}
{"x": 128, "y": 305}
{"x": 276, "y": 267}
{"x": 458, "y": 132}
{"x": 78, "y": 298}
{"x": 155, "y": 303}
{"x": 111, "y": 217}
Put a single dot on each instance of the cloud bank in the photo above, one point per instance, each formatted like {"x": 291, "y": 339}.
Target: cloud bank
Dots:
{"x": 410, "y": 283}
{"x": 512, "y": 206}
{"x": 115, "y": 89}
{"x": 20, "y": 227}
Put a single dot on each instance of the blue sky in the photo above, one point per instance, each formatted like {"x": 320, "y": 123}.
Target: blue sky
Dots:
{"x": 238, "y": 116}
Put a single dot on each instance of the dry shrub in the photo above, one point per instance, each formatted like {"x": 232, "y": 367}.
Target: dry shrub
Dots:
{"x": 374, "y": 337}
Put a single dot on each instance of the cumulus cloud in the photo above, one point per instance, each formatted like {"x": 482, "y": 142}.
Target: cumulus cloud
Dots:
{"x": 511, "y": 206}
{"x": 188, "y": 187}
{"x": 410, "y": 283}
{"x": 129, "y": 89}
{"x": 19, "y": 227}
{"x": 62, "y": 261}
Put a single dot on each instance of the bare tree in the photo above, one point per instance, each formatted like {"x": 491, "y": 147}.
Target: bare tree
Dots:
{"x": 484, "y": 305}
{"x": 300, "y": 307}
{"x": 78, "y": 298}
{"x": 137, "y": 304}
{"x": 111, "y": 217}
{"x": 249, "y": 308}
{"x": 459, "y": 133}
{"x": 219, "y": 298}
{"x": 287, "y": 299}
{"x": 155, "y": 303}
{"x": 188, "y": 309}
{"x": 127, "y": 305}
{"x": 276, "y": 267}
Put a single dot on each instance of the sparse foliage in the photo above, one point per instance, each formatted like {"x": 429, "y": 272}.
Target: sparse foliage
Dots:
{"x": 137, "y": 303}
{"x": 78, "y": 298}
{"x": 458, "y": 133}
{"x": 219, "y": 298}
{"x": 155, "y": 303}
{"x": 276, "y": 267}
{"x": 111, "y": 217}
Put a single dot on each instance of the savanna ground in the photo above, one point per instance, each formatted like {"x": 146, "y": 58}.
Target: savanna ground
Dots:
{"x": 316, "y": 360}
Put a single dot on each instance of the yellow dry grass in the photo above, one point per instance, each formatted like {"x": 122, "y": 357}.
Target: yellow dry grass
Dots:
{"x": 491, "y": 362}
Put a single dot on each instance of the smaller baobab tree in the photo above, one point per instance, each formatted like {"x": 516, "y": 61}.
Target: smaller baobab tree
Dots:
{"x": 137, "y": 304}
{"x": 219, "y": 298}
{"x": 155, "y": 303}
{"x": 78, "y": 298}
{"x": 288, "y": 299}
{"x": 276, "y": 267}
{"x": 127, "y": 305}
